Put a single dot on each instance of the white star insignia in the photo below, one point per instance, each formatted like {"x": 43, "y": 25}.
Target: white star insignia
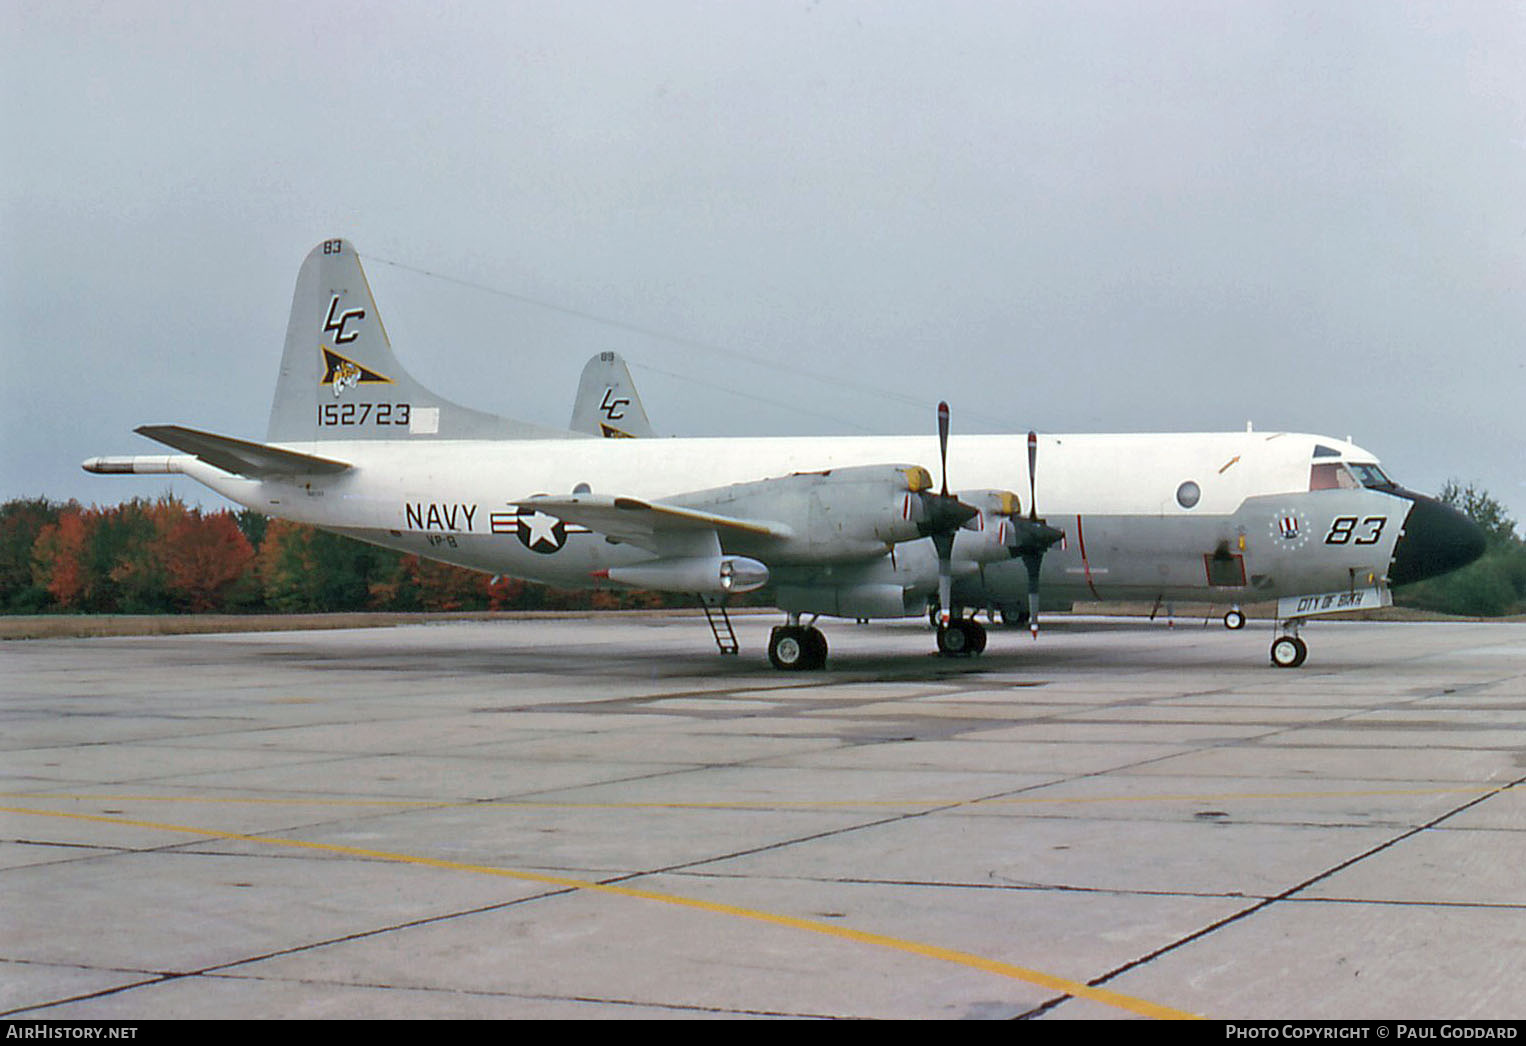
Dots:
{"x": 542, "y": 528}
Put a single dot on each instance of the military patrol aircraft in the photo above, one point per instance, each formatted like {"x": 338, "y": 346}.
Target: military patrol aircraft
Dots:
{"x": 845, "y": 527}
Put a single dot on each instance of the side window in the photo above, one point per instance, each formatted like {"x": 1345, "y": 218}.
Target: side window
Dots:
{"x": 1331, "y": 476}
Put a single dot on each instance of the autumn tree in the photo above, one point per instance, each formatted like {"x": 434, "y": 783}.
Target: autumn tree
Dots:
{"x": 59, "y": 560}
{"x": 203, "y": 556}
{"x": 21, "y": 521}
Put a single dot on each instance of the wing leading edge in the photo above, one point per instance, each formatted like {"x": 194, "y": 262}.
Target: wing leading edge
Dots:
{"x": 240, "y": 457}
{"x": 657, "y": 527}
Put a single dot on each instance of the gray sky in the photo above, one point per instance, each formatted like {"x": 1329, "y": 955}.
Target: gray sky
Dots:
{"x": 1071, "y": 217}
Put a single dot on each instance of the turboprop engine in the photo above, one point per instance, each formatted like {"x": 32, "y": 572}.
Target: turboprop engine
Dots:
{"x": 991, "y": 534}
{"x": 833, "y": 516}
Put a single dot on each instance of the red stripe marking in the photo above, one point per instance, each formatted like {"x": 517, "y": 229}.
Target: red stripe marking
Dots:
{"x": 1081, "y": 540}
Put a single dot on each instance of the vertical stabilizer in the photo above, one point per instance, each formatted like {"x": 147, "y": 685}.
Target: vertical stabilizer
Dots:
{"x": 340, "y": 380}
{"x": 607, "y": 404}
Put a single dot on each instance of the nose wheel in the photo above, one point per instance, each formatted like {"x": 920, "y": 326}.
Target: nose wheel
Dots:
{"x": 1289, "y": 651}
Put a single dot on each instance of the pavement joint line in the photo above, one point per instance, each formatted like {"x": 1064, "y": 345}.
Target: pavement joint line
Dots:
{"x": 1011, "y": 971}
{"x": 156, "y": 977}
{"x": 541, "y": 996}
{"x": 951, "y": 802}
{"x": 1288, "y": 894}
{"x": 150, "y": 980}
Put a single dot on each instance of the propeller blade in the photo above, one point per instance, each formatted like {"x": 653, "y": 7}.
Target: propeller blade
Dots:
{"x": 1033, "y": 461}
{"x": 942, "y": 515}
{"x": 943, "y": 444}
{"x": 1033, "y": 536}
{"x": 943, "y": 512}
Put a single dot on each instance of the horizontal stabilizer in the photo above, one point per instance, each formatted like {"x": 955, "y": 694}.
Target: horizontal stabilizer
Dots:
{"x": 241, "y": 457}
{"x": 650, "y": 525}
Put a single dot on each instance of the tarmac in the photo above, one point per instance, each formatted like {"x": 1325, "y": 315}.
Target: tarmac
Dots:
{"x": 605, "y": 818}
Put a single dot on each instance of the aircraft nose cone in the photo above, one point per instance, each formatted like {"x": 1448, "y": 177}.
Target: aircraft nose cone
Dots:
{"x": 1437, "y": 538}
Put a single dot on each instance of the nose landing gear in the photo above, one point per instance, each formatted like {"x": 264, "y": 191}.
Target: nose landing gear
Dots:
{"x": 1288, "y": 651}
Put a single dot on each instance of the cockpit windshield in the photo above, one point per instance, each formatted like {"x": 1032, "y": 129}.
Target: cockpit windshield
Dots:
{"x": 1371, "y": 476}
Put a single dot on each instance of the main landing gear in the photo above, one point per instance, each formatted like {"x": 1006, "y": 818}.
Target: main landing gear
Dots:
{"x": 961, "y": 637}
{"x": 1288, "y": 651}
{"x": 794, "y": 647}
{"x": 797, "y": 648}
{"x": 964, "y": 636}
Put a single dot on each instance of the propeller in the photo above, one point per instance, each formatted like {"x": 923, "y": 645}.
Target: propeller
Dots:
{"x": 1033, "y": 537}
{"x": 942, "y": 516}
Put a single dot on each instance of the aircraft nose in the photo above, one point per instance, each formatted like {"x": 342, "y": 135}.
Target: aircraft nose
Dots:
{"x": 1437, "y": 538}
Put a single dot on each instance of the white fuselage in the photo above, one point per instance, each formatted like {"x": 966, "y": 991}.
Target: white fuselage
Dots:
{"x": 1254, "y": 529}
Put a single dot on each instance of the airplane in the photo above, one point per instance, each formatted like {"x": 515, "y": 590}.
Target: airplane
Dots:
{"x": 847, "y": 527}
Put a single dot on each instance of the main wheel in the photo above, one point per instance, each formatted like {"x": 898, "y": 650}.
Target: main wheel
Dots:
{"x": 960, "y": 640}
{"x": 1234, "y": 620}
{"x": 1288, "y": 651}
{"x": 951, "y": 640}
{"x": 787, "y": 648}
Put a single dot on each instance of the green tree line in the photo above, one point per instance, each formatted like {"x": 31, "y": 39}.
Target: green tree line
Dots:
{"x": 1493, "y": 585}
{"x": 161, "y": 556}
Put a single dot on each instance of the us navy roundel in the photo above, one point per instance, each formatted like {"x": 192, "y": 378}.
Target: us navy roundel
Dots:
{"x": 536, "y": 530}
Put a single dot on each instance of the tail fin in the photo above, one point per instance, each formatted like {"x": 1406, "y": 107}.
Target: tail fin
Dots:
{"x": 339, "y": 379}
{"x": 607, "y": 404}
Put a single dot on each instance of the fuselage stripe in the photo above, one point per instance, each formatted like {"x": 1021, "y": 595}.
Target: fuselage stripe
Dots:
{"x": 1086, "y": 566}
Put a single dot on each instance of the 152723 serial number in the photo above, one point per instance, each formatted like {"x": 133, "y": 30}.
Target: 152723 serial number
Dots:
{"x": 364, "y": 414}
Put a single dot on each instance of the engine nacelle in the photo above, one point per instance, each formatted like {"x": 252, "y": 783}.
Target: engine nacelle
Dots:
{"x": 990, "y": 536}
{"x": 837, "y": 515}
{"x": 704, "y": 575}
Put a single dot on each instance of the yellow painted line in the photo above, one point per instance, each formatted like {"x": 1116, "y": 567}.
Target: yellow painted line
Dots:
{"x": 1117, "y": 1000}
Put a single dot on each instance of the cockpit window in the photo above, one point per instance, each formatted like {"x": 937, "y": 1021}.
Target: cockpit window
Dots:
{"x": 1331, "y": 476}
{"x": 1371, "y": 476}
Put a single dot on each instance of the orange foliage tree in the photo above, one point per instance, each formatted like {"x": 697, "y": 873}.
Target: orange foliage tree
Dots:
{"x": 203, "y": 556}
{"x": 140, "y": 556}
{"x": 58, "y": 558}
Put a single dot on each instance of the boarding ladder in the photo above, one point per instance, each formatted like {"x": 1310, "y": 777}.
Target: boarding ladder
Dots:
{"x": 720, "y": 624}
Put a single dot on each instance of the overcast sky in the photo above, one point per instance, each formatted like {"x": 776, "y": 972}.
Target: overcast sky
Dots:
{"x": 794, "y": 217}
